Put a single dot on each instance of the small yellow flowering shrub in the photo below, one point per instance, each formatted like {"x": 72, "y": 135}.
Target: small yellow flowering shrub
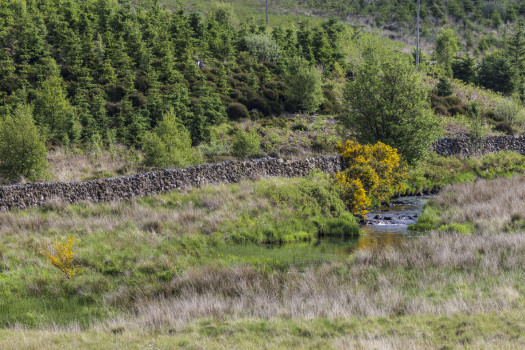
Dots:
{"x": 373, "y": 173}
{"x": 60, "y": 254}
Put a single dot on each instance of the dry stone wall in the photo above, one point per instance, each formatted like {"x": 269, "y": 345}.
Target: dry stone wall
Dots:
{"x": 491, "y": 144}
{"x": 156, "y": 182}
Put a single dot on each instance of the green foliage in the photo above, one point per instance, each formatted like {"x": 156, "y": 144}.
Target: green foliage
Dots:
{"x": 263, "y": 47}
{"x": 52, "y": 111}
{"x": 22, "y": 150}
{"x": 108, "y": 71}
{"x": 464, "y": 68}
{"x": 447, "y": 45}
{"x": 237, "y": 111}
{"x": 444, "y": 87}
{"x": 317, "y": 211}
{"x": 343, "y": 226}
{"x": 305, "y": 85}
{"x": 507, "y": 111}
{"x": 496, "y": 73}
{"x": 496, "y": 19}
{"x": 246, "y": 144}
{"x": 437, "y": 171}
{"x": 387, "y": 102}
{"x": 169, "y": 145}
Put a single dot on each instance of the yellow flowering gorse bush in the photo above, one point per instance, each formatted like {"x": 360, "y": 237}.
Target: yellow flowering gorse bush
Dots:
{"x": 373, "y": 172}
{"x": 60, "y": 254}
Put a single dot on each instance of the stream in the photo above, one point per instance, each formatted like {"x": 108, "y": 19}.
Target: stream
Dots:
{"x": 389, "y": 225}
{"x": 384, "y": 227}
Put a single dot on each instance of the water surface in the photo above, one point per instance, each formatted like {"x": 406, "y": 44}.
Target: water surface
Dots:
{"x": 384, "y": 227}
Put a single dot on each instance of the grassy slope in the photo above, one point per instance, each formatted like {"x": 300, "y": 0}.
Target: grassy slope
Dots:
{"x": 436, "y": 172}
{"x": 157, "y": 271}
{"x": 136, "y": 250}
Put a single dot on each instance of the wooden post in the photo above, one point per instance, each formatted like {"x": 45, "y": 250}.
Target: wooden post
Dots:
{"x": 267, "y": 13}
{"x": 417, "y": 43}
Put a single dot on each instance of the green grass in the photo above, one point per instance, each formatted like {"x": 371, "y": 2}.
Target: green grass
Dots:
{"x": 485, "y": 331}
{"x": 134, "y": 250}
{"x": 436, "y": 172}
{"x": 486, "y": 206}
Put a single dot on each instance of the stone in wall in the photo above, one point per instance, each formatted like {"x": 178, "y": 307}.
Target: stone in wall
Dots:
{"x": 152, "y": 183}
{"x": 491, "y": 144}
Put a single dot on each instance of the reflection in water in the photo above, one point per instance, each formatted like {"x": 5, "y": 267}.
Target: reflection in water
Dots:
{"x": 385, "y": 227}
{"x": 388, "y": 226}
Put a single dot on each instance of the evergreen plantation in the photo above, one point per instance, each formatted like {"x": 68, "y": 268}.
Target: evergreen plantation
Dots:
{"x": 159, "y": 77}
{"x": 103, "y": 71}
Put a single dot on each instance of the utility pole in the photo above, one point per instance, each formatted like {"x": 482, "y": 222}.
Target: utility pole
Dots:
{"x": 267, "y": 12}
{"x": 417, "y": 43}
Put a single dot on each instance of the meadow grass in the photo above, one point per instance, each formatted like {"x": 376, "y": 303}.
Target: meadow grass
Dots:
{"x": 130, "y": 251}
{"x": 480, "y": 331}
{"x": 485, "y": 206}
{"x": 436, "y": 172}
{"x": 188, "y": 268}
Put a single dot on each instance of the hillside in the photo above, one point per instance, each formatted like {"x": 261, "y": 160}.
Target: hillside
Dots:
{"x": 100, "y": 77}
{"x": 477, "y": 22}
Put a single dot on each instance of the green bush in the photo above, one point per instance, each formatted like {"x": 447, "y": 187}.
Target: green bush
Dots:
{"x": 22, "y": 150}
{"x": 388, "y": 102}
{"x": 305, "y": 83}
{"x": 246, "y": 144}
{"x": 444, "y": 87}
{"x": 263, "y": 47}
{"x": 343, "y": 226}
{"x": 237, "y": 111}
{"x": 507, "y": 111}
{"x": 169, "y": 145}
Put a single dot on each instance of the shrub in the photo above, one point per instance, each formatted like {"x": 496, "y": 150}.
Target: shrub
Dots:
{"x": 441, "y": 110}
{"x": 457, "y": 109}
{"x": 246, "y": 144}
{"x": 496, "y": 73}
{"x": 304, "y": 86}
{"x": 505, "y": 128}
{"x": 343, "y": 226}
{"x": 447, "y": 44}
{"x": 22, "y": 149}
{"x": 169, "y": 145}
{"x": 259, "y": 104}
{"x": 237, "y": 111}
{"x": 60, "y": 254}
{"x": 299, "y": 125}
{"x": 373, "y": 173}
{"x": 263, "y": 47}
{"x": 507, "y": 111}
{"x": 452, "y": 101}
{"x": 444, "y": 87}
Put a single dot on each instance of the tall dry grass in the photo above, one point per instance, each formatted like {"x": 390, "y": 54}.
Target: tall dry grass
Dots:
{"x": 80, "y": 165}
{"x": 491, "y": 205}
{"x": 438, "y": 275}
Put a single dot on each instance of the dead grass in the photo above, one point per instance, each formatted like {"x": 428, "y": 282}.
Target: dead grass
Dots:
{"x": 438, "y": 275}
{"x": 491, "y": 205}
{"x": 67, "y": 164}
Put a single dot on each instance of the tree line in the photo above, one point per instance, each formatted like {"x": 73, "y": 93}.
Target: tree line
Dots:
{"x": 106, "y": 71}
